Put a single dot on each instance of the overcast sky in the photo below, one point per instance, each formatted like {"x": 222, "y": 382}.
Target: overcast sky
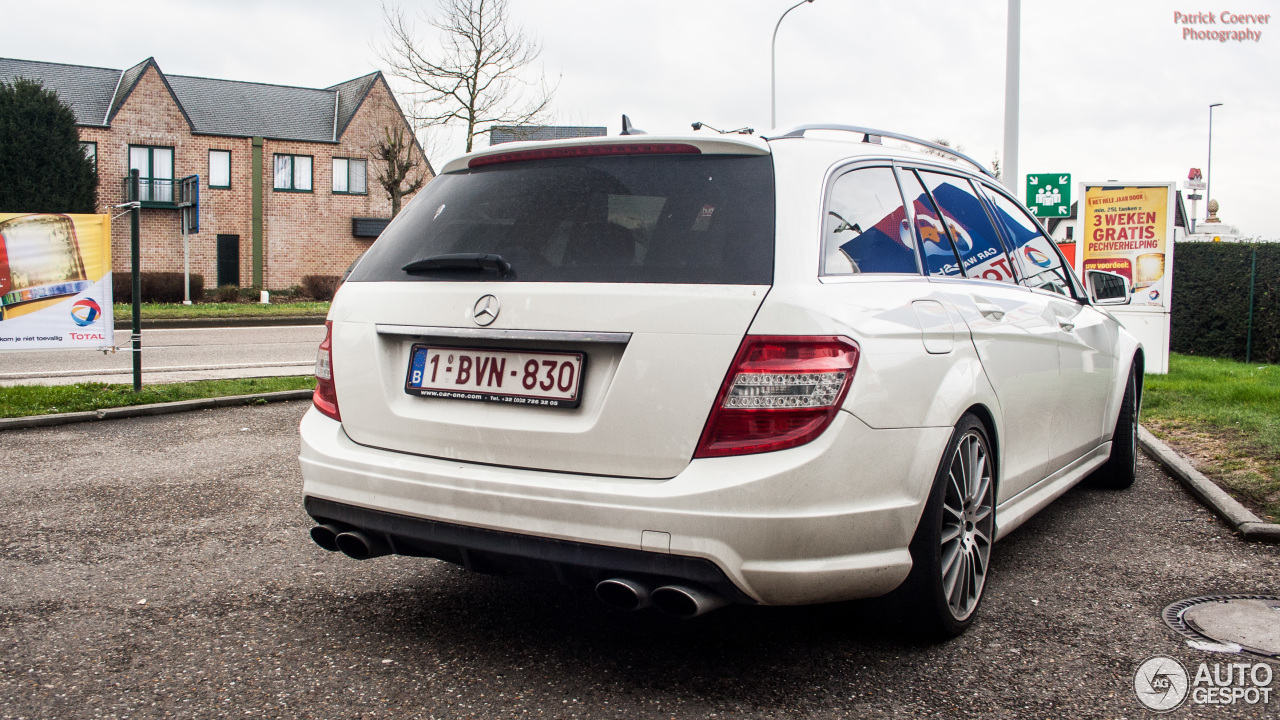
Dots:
{"x": 1110, "y": 90}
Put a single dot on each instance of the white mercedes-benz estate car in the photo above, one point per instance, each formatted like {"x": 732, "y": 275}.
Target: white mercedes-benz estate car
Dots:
{"x": 688, "y": 371}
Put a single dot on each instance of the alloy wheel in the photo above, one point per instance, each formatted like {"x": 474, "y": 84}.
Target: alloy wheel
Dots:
{"x": 1133, "y": 433}
{"x": 968, "y": 523}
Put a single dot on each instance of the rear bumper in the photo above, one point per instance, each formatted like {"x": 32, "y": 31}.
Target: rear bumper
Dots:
{"x": 493, "y": 551}
{"x": 827, "y": 521}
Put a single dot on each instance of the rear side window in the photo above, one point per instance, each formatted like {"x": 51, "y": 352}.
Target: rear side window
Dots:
{"x": 971, "y": 229}
{"x": 865, "y": 229}
{"x": 702, "y": 219}
{"x": 939, "y": 254}
{"x": 1036, "y": 255}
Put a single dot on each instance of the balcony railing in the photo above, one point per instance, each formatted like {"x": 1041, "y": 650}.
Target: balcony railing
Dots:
{"x": 164, "y": 192}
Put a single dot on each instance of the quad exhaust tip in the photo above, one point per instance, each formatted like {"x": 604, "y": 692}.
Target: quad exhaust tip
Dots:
{"x": 678, "y": 601}
{"x": 353, "y": 543}
{"x": 623, "y": 594}
{"x": 357, "y": 545}
{"x": 685, "y": 602}
{"x": 326, "y": 536}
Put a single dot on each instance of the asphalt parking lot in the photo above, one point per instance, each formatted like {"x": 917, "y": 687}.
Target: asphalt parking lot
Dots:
{"x": 160, "y": 567}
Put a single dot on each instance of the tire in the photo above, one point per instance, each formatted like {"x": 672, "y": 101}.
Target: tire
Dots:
{"x": 1121, "y": 469}
{"x": 951, "y": 550}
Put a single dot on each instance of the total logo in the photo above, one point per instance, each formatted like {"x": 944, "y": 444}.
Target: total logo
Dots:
{"x": 1037, "y": 257}
{"x": 1154, "y": 295}
{"x": 85, "y": 311}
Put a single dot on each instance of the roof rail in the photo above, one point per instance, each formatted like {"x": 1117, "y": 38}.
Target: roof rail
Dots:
{"x": 871, "y": 135}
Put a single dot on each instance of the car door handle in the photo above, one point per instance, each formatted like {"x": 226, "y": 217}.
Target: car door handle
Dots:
{"x": 1066, "y": 326}
{"x": 990, "y": 311}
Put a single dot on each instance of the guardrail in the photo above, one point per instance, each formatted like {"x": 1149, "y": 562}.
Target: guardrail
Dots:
{"x": 164, "y": 192}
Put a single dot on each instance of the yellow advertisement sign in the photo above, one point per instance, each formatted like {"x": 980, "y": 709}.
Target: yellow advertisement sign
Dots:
{"x": 1127, "y": 232}
{"x": 55, "y": 281}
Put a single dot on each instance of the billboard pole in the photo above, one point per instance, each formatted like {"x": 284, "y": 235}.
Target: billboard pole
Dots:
{"x": 186, "y": 259}
{"x": 135, "y": 267}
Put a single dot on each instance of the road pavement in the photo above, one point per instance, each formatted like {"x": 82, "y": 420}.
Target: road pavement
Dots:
{"x": 160, "y": 567}
{"x": 174, "y": 356}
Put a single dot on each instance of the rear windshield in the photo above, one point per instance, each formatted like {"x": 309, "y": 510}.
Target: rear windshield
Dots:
{"x": 702, "y": 219}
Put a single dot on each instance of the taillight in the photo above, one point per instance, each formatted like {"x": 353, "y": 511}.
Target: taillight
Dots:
{"x": 780, "y": 392}
{"x": 325, "y": 398}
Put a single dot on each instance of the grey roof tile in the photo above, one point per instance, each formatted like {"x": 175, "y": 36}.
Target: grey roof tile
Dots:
{"x": 215, "y": 107}
{"x": 229, "y": 107}
{"x": 88, "y": 90}
{"x": 351, "y": 95}
{"x": 128, "y": 80}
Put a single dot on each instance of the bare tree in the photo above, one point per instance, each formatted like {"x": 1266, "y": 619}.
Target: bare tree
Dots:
{"x": 995, "y": 165}
{"x": 944, "y": 143}
{"x": 402, "y": 173}
{"x": 474, "y": 77}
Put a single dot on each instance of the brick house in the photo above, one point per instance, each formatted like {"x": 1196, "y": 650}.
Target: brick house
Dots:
{"x": 287, "y": 179}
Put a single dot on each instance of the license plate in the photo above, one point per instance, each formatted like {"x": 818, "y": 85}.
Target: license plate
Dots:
{"x": 544, "y": 379}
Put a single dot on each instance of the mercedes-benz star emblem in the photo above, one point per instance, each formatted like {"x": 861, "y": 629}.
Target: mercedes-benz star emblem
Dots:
{"x": 486, "y": 310}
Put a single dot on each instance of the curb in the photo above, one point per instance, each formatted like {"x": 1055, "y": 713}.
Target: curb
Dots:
{"x": 1250, "y": 526}
{"x": 195, "y": 323}
{"x": 33, "y": 421}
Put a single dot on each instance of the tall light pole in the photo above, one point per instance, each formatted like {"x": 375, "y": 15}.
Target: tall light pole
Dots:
{"x": 1208, "y": 176}
{"x": 773, "y": 67}
{"x": 1012, "y": 78}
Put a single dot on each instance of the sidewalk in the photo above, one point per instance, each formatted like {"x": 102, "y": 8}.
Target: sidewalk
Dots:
{"x": 233, "y": 348}
{"x": 126, "y": 324}
{"x": 153, "y": 375}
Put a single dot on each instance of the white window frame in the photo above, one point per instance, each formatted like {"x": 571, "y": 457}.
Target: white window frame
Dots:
{"x": 343, "y": 176}
{"x": 222, "y": 153}
{"x": 295, "y": 172}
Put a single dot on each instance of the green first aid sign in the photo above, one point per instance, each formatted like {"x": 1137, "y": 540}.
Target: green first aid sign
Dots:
{"x": 1049, "y": 195}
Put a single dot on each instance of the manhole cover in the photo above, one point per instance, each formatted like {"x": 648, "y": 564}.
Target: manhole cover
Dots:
{"x": 1229, "y": 623}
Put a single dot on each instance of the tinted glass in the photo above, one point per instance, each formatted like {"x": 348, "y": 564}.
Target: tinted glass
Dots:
{"x": 939, "y": 254}
{"x": 866, "y": 229}
{"x": 648, "y": 218}
{"x": 1035, "y": 254}
{"x": 971, "y": 229}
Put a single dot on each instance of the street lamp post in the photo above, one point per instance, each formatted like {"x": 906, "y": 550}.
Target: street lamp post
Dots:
{"x": 773, "y": 68}
{"x": 1208, "y": 176}
{"x": 1012, "y": 81}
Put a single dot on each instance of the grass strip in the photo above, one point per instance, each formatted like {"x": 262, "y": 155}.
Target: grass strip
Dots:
{"x": 178, "y": 311}
{"x": 1225, "y": 416}
{"x": 24, "y": 400}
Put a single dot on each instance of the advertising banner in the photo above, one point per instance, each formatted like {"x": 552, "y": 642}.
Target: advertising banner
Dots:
{"x": 1129, "y": 231}
{"x": 55, "y": 281}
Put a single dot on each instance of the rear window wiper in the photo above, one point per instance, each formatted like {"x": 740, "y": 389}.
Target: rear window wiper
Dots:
{"x": 459, "y": 261}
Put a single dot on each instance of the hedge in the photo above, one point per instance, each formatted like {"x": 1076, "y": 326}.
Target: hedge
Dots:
{"x": 320, "y": 287}
{"x": 157, "y": 287}
{"x": 1211, "y": 300}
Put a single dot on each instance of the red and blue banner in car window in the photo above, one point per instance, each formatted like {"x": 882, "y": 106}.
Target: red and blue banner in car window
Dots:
{"x": 975, "y": 238}
{"x": 883, "y": 247}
